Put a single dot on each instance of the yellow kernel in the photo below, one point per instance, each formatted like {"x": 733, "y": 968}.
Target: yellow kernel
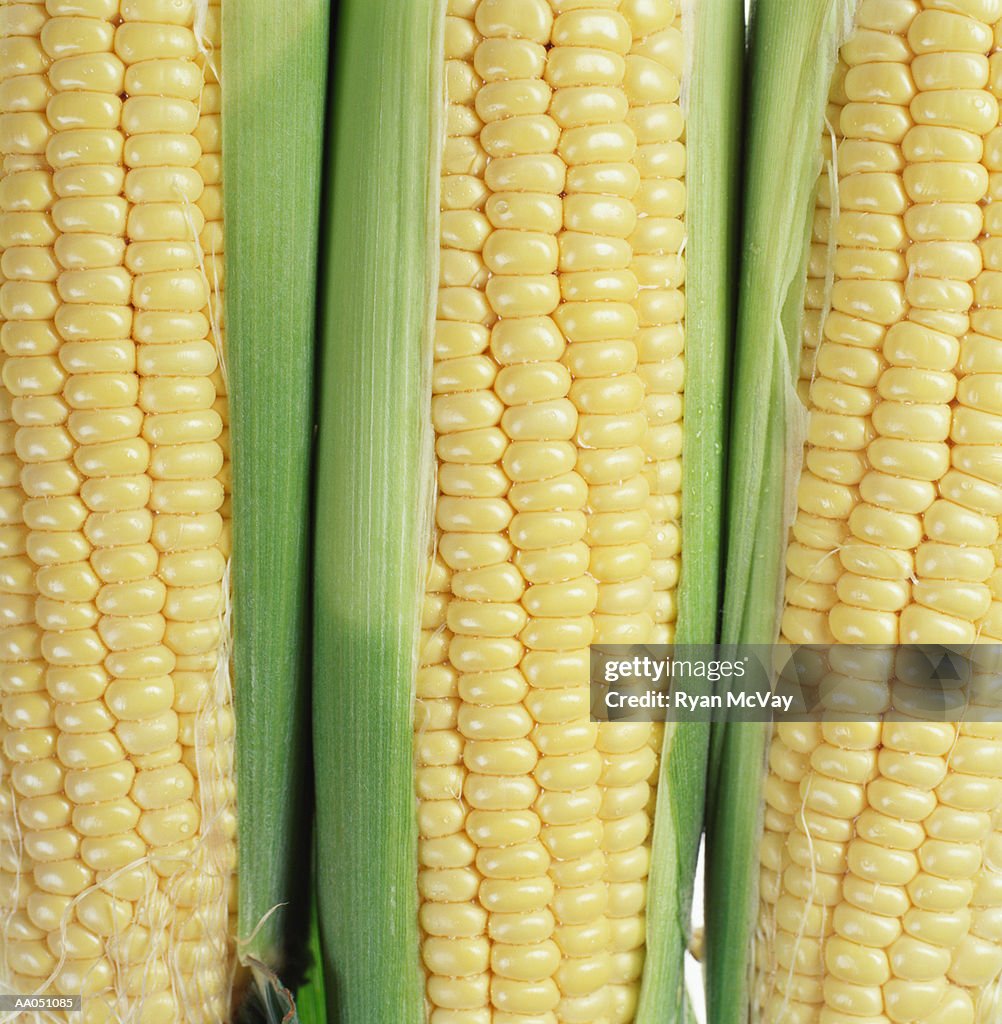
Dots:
{"x": 933, "y": 31}
{"x": 927, "y": 892}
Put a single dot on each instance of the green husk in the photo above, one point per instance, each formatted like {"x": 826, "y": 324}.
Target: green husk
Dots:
{"x": 374, "y": 482}
{"x": 792, "y": 56}
{"x": 793, "y": 51}
{"x": 274, "y": 67}
{"x": 715, "y": 37}
{"x": 712, "y": 102}
{"x": 678, "y": 826}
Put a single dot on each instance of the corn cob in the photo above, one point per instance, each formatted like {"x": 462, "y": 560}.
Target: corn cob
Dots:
{"x": 878, "y": 891}
{"x": 897, "y": 937}
{"x": 117, "y": 721}
{"x": 556, "y": 366}
{"x": 118, "y": 796}
{"x": 535, "y": 767}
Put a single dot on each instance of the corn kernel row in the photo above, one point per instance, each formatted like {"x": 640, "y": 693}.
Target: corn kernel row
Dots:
{"x": 534, "y": 822}
{"x": 815, "y": 293}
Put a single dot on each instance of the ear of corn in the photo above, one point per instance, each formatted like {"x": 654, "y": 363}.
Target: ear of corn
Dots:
{"x": 568, "y": 480}
{"x": 793, "y": 53}
{"x": 118, "y": 828}
{"x": 275, "y": 63}
{"x": 877, "y": 850}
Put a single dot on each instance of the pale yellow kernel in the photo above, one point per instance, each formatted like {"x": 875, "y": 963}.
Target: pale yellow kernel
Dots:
{"x": 954, "y": 825}
{"x": 880, "y": 864}
{"x": 862, "y": 263}
{"x": 975, "y": 962}
{"x": 877, "y": 193}
{"x": 865, "y": 928}
{"x": 844, "y": 764}
{"x": 881, "y": 122}
{"x": 848, "y": 998}
{"x": 866, "y": 592}
{"x": 506, "y": 19}
{"x": 63, "y": 878}
{"x": 600, "y": 215}
{"x": 799, "y": 736}
{"x": 896, "y": 800}
{"x": 647, "y": 17}
{"x": 856, "y": 964}
{"x": 987, "y": 924}
{"x": 974, "y": 110}
{"x": 933, "y": 31}
{"x": 569, "y": 66}
{"x": 882, "y": 830}
{"x": 950, "y": 71}
{"x": 949, "y": 859}
{"x": 945, "y": 182}
{"x": 927, "y": 892}
{"x": 944, "y": 221}
{"x": 820, "y": 854}
{"x": 838, "y": 432}
{"x": 970, "y": 792}
{"x": 928, "y": 738}
{"x": 800, "y": 954}
{"x": 602, "y": 29}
